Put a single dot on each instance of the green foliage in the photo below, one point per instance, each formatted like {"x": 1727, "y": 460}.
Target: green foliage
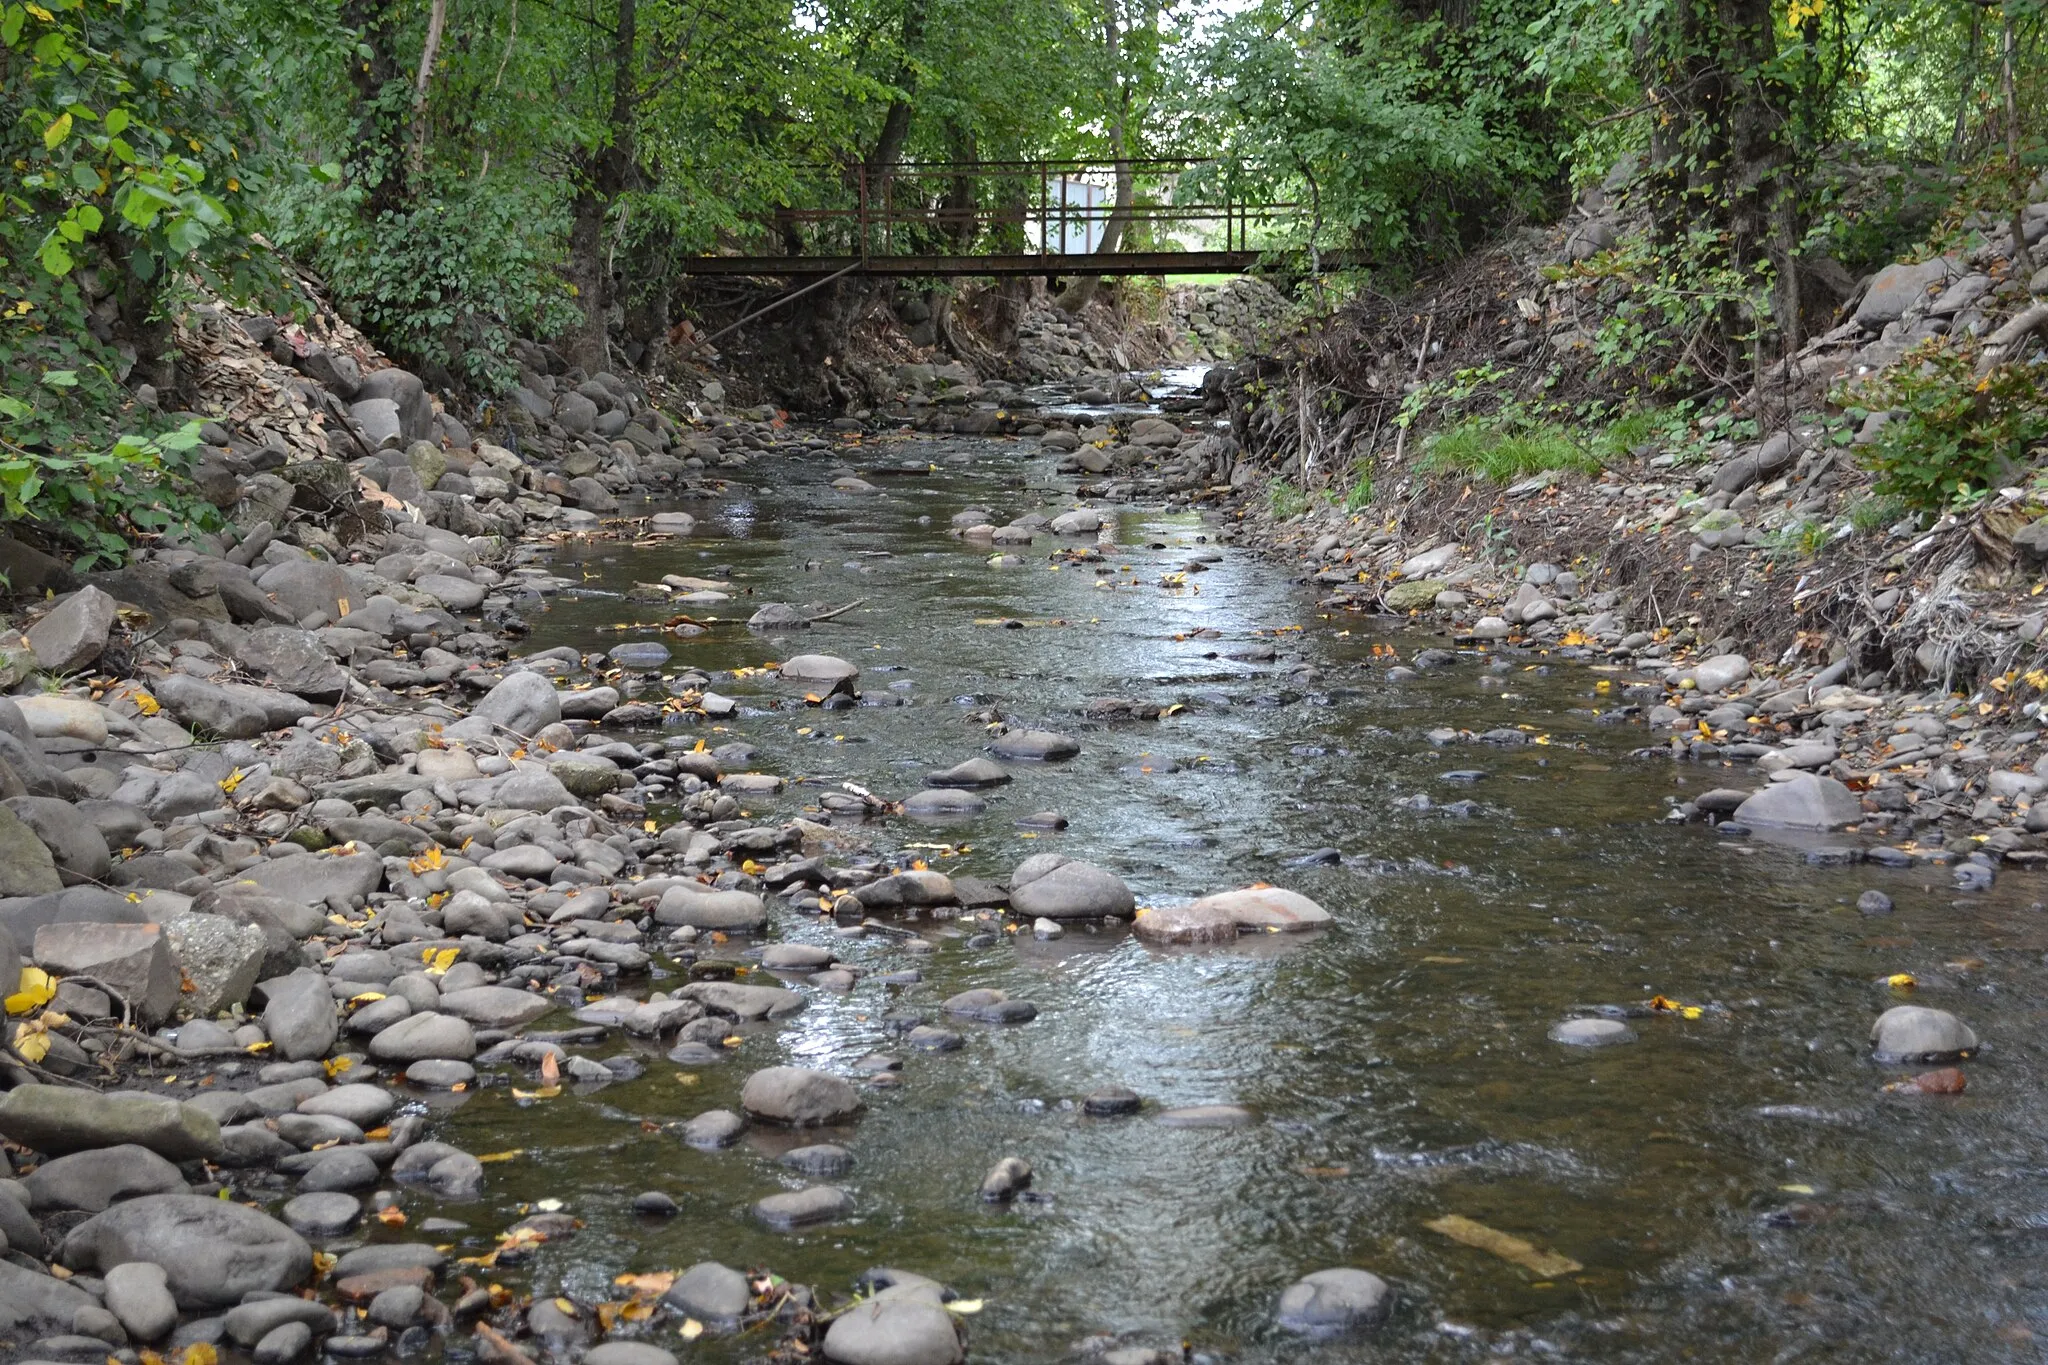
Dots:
{"x": 449, "y": 282}
{"x": 1285, "y": 501}
{"x": 1954, "y": 432}
{"x": 1408, "y": 137}
{"x": 1869, "y": 515}
{"x": 1505, "y": 450}
{"x": 1358, "y": 497}
{"x": 93, "y": 500}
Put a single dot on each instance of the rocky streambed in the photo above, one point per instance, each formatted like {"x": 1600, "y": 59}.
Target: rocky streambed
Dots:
{"x": 1020, "y": 944}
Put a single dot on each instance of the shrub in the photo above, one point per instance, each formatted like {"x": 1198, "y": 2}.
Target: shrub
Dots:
{"x": 1953, "y": 431}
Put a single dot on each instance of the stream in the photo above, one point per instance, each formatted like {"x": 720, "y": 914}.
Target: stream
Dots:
{"x": 1734, "y": 1186}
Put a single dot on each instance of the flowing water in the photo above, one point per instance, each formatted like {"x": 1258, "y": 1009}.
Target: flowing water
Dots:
{"x": 1735, "y": 1187}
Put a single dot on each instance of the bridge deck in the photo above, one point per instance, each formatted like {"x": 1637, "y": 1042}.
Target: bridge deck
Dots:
{"x": 1117, "y": 263}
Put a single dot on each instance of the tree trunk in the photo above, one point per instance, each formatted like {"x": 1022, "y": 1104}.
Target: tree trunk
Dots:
{"x": 601, "y": 178}
{"x": 437, "y": 20}
{"x": 1076, "y": 295}
{"x": 2022, "y": 259}
{"x": 378, "y": 164}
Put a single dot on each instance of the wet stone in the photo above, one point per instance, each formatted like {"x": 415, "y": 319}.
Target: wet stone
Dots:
{"x": 1916, "y": 1034}
{"x": 1206, "y": 1116}
{"x": 1591, "y": 1033}
{"x": 1333, "y": 1301}
{"x": 1111, "y": 1101}
{"x": 820, "y": 1161}
{"x": 805, "y": 1207}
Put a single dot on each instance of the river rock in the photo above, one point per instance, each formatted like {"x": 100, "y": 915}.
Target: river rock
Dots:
{"x": 745, "y": 1003}
{"x": 801, "y": 1208}
{"x": 293, "y": 660}
{"x": 820, "y": 1160}
{"x": 495, "y": 1006}
{"x": 1591, "y": 1033}
{"x": 27, "y": 867}
{"x": 1720, "y": 672}
{"x": 523, "y": 703}
{"x": 823, "y": 668}
{"x": 299, "y": 1016}
{"x": 76, "y": 845}
{"x": 1035, "y": 746}
{"x": 139, "y": 1295}
{"x": 799, "y": 1097}
{"x": 896, "y": 1328}
{"x": 218, "y": 959}
{"x": 72, "y": 633}
{"x": 1807, "y": 802}
{"x": 133, "y": 960}
{"x": 1059, "y": 888}
{"x": 628, "y": 1353}
{"x": 714, "y": 1129}
{"x": 425, "y": 1036}
{"x": 906, "y": 890}
{"x": 975, "y": 772}
{"x": 1331, "y": 1301}
{"x": 324, "y": 881}
{"x": 1222, "y": 917}
{"x": 943, "y": 803}
{"x": 32, "y": 1297}
{"x": 1006, "y": 1180}
{"x": 1915, "y": 1034}
{"x": 59, "y": 1119}
{"x": 707, "y": 909}
{"x": 92, "y": 1180}
{"x": 323, "y": 1213}
{"x": 716, "y": 1294}
{"x": 1206, "y": 1116}
{"x": 213, "y": 1251}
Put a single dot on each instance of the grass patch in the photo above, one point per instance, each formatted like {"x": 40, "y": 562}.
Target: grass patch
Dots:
{"x": 1359, "y": 496}
{"x": 1875, "y": 513}
{"x": 1285, "y": 501}
{"x": 1505, "y": 454}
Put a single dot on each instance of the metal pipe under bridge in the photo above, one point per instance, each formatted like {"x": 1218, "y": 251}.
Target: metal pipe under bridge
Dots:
{"x": 1017, "y": 218}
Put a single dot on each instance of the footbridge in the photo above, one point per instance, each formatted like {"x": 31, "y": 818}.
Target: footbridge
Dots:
{"x": 1011, "y": 218}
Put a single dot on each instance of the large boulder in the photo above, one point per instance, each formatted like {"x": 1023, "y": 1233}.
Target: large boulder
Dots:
{"x": 72, "y": 633}
{"x": 799, "y": 1097}
{"x": 1897, "y": 288}
{"x": 1806, "y": 802}
{"x": 214, "y": 1251}
{"x": 59, "y": 1119}
{"x": 1056, "y": 887}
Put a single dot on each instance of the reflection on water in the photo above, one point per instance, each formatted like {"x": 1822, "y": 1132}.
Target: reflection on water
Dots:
{"x": 1735, "y": 1187}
